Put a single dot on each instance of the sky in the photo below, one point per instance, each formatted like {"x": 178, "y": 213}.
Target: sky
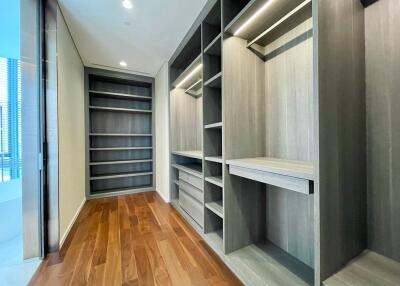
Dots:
{"x": 10, "y": 29}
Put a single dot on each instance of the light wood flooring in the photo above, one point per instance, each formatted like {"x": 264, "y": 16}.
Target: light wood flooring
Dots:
{"x": 133, "y": 240}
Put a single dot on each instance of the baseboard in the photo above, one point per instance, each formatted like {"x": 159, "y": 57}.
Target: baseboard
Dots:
{"x": 71, "y": 224}
{"x": 165, "y": 199}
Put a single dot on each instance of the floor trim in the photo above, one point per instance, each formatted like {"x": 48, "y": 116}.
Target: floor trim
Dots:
{"x": 62, "y": 240}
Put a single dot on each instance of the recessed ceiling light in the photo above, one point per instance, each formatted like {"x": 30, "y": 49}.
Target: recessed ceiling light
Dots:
{"x": 127, "y": 4}
{"x": 123, "y": 64}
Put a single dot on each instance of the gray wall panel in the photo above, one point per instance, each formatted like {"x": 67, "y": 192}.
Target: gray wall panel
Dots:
{"x": 382, "y": 22}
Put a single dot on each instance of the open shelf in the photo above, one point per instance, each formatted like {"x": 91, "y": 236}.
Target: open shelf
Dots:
{"x": 370, "y": 268}
{"x": 195, "y": 89}
{"x": 217, "y": 180}
{"x": 196, "y": 154}
{"x": 115, "y": 109}
{"x": 215, "y": 81}
{"x": 257, "y": 263}
{"x": 120, "y": 175}
{"x": 273, "y": 12}
{"x": 120, "y": 148}
{"x": 193, "y": 169}
{"x": 297, "y": 176}
{"x": 116, "y": 95}
{"x": 190, "y": 75}
{"x": 119, "y": 135}
{"x": 215, "y": 47}
{"x": 216, "y": 208}
{"x": 120, "y": 162}
{"x": 217, "y": 125}
{"x": 119, "y": 191}
{"x": 216, "y": 159}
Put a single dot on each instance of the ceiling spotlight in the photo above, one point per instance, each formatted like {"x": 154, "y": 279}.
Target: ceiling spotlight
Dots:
{"x": 123, "y": 64}
{"x": 127, "y": 4}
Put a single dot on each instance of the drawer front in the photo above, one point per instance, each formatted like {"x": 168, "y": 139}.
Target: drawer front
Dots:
{"x": 194, "y": 192}
{"x": 193, "y": 180}
{"x": 192, "y": 207}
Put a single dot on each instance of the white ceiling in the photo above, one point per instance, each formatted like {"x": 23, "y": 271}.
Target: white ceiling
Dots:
{"x": 145, "y": 37}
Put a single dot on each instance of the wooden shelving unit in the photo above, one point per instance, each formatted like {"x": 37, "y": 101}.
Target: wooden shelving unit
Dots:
{"x": 114, "y": 109}
{"x": 104, "y": 94}
{"x": 278, "y": 173}
{"x": 119, "y": 127}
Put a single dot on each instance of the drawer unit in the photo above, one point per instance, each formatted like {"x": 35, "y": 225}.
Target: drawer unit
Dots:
{"x": 193, "y": 191}
{"x": 193, "y": 180}
{"x": 192, "y": 207}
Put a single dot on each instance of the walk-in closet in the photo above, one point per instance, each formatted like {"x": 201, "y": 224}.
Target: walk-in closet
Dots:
{"x": 273, "y": 139}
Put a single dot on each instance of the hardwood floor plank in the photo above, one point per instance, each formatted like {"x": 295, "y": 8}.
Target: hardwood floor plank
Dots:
{"x": 132, "y": 240}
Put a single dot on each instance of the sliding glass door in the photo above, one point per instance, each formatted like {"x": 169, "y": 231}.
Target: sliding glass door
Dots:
{"x": 20, "y": 132}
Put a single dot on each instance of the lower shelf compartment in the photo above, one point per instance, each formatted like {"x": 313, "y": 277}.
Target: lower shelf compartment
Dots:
{"x": 257, "y": 263}
{"x": 192, "y": 222}
{"x": 369, "y": 268}
{"x": 120, "y": 191}
{"x": 215, "y": 241}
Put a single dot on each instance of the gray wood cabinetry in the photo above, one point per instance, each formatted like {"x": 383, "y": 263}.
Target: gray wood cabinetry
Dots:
{"x": 278, "y": 136}
{"x": 119, "y": 126}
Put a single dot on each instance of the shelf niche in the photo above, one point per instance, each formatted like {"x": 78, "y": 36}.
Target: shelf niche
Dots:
{"x": 276, "y": 121}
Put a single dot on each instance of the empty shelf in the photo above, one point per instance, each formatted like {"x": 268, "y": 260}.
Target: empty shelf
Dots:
{"x": 214, "y": 48}
{"x": 190, "y": 75}
{"x": 370, "y": 268}
{"x": 216, "y": 207}
{"x": 119, "y": 135}
{"x": 257, "y": 263}
{"x": 297, "y": 176}
{"x": 216, "y": 159}
{"x": 120, "y": 162}
{"x": 217, "y": 125}
{"x": 194, "y": 169}
{"x": 116, "y": 109}
{"x": 215, "y": 81}
{"x": 116, "y": 95}
{"x": 121, "y": 175}
{"x": 196, "y": 154}
{"x": 217, "y": 180}
{"x": 120, "y": 148}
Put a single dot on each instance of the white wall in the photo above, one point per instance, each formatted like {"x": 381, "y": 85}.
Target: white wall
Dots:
{"x": 162, "y": 132}
{"x": 70, "y": 128}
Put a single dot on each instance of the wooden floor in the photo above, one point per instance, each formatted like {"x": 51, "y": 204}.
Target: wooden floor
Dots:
{"x": 133, "y": 240}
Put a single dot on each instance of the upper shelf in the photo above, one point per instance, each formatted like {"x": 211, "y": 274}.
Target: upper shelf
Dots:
{"x": 196, "y": 154}
{"x": 270, "y": 19}
{"x": 115, "y": 95}
{"x": 297, "y": 176}
{"x": 190, "y": 75}
{"x": 118, "y": 109}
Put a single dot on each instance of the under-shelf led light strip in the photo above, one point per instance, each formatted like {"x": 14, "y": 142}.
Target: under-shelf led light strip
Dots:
{"x": 253, "y": 17}
{"x": 189, "y": 76}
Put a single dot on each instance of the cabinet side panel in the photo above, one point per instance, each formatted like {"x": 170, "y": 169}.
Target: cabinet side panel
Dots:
{"x": 382, "y": 21}
{"x": 341, "y": 180}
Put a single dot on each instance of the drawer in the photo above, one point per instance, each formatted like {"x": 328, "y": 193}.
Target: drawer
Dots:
{"x": 193, "y": 180}
{"x": 194, "y": 209}
{"x": 193, "y": 191}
